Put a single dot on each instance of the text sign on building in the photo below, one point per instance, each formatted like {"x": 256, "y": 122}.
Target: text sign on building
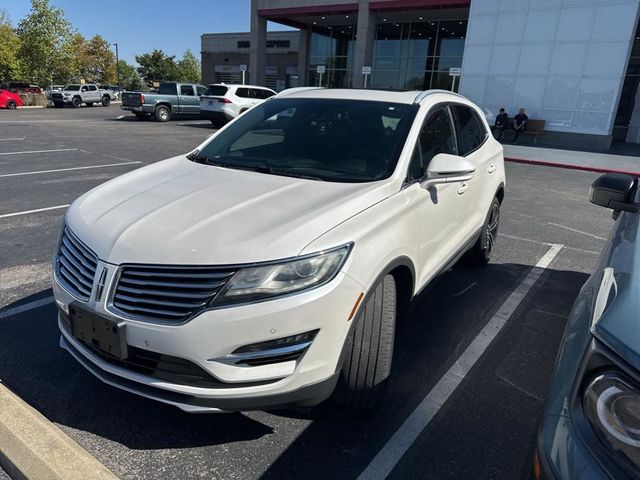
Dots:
{"x": 320, "y": 69}
{"x": 243, "y": 68}
{"x": 454, "y": 72}
{"x": 270, "y": 44}
{"x": 366, "y": 70}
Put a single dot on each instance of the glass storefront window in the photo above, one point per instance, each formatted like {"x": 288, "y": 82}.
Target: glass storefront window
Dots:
{"x": 333, "y": 47}
{"x": 417, "y": 55}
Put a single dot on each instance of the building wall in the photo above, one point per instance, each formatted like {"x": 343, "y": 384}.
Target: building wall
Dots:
{"x": 562, "y": 60}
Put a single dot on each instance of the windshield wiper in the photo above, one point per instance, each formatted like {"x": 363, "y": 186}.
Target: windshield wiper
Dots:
{"x": 198, "y": 158}
{"x": 285, "y": 173}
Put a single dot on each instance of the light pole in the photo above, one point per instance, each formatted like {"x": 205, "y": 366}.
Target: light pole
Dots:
{"x": 117, "y": 66}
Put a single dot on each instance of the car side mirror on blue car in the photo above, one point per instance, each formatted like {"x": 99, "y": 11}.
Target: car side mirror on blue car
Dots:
{"x": 616, "y": 191}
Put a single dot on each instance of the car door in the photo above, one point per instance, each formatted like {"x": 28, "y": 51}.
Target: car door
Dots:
{"x": 244, "y": 95}
{"x": 95, "y": 93}
{"x": 189, "y": 102}
{"x": 480, "y": 189}
{"x": 441, "y": 208}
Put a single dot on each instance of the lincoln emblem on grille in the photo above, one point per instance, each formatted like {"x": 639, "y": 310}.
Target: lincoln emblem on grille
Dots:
{"x": 101, "y": 281}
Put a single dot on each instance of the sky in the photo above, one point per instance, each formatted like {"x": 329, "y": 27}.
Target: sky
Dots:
{"x": 139, "y": 26}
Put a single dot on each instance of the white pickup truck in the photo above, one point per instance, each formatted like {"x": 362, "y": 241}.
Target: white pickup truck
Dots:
{"x": 78, "y": 94}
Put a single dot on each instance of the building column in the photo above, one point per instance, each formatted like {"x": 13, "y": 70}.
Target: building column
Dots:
{"x": 258, "y": 48}
{"x": 303, "y": 56}
{"x": 366, "y": 34}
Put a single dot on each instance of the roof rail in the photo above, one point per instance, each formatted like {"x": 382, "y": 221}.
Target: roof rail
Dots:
{"x": 422, "y": 95}
{"x": 295, "y": 90}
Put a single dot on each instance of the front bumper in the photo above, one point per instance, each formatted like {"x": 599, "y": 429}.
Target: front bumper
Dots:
{"x": 208, "y": 339}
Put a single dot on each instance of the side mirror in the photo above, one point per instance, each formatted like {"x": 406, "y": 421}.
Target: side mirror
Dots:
{"x": 616, "y": 191}
{"x": 446, "y": 168}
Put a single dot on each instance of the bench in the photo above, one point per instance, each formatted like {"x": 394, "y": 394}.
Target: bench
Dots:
{"x": 534, "y": 127}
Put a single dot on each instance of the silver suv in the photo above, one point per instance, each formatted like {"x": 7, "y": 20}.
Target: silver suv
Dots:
{"x": 78, "y": 94}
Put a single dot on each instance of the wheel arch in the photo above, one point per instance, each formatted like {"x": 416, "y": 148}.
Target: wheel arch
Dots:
{"x": 500, "y": 192}
{"x": 162, "y": 104}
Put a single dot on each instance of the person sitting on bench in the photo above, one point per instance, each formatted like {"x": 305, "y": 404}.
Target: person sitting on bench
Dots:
{"x": 519, "y": 124}
{"x": 502, "y": 121}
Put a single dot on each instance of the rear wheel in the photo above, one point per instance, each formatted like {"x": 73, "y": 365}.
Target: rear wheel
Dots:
{"x": 106, "y": 101}
{"x": 12, "y": 105}
{"x": 162, "y": 114}
{"x": 481, "y": 252}
{"x": 363, "y": 380}
{"x": 76, "y": 102}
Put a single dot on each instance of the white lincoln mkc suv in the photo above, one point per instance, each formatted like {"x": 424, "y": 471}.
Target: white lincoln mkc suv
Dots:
{"x": 267, "y": 267}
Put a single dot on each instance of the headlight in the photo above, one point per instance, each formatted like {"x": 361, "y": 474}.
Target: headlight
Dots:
{"x": 612, "y": 407}
{"x": 265, "y": 281}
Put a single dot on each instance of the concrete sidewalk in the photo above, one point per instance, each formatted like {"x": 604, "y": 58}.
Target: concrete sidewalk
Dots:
{"x": 595, "y": 162}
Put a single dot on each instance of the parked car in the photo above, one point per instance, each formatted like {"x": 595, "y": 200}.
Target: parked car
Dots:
{"x": 114, "y": 90}
{"x": 77, "y": 94}
{"x": 591, "y": 426}
{"x": 9, "y": 100}
{"x": 21, "y": 87}
{"x": 222, "y": 103}
{"x": 268, "y": 266}
{"x": 53, "y": 88}
{"x": 172, "y": 98}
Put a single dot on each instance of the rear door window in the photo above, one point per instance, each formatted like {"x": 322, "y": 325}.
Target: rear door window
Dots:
{"x": 470, "y": 129}
{"x": 167, "y": 89}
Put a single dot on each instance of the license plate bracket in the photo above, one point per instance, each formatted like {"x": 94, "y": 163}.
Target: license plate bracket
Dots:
{"x": 106, "y": 334}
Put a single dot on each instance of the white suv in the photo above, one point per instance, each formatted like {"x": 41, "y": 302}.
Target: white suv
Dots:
{"x": 268, "y": 267}
{"x": 222, "y": 103}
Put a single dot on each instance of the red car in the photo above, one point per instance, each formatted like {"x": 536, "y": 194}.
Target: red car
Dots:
{"x": 9, "y": 100}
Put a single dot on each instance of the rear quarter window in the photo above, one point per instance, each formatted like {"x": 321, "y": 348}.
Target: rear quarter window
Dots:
{"x": 216, "y": 90}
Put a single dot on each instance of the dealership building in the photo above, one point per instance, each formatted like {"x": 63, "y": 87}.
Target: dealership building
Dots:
{"x": 573, "y": 63}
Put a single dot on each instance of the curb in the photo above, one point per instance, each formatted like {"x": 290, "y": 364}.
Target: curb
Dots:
{"x": 570, "y": 166}
{"x": 22, "y": 107}
{"x": 32, "y": 447}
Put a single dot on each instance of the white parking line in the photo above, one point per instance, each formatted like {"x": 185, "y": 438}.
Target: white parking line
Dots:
{"x": 391, "y": 453}
{"x": 13, "y": 139}
{"x": 40, "y": 151}
{"x": 576, "y": 231}
{"x": 26, "y": 307}
{"x": 37, "y": 210}
{"x": 67, "y": 169}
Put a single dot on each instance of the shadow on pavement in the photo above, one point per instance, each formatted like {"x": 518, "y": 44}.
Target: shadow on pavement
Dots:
{"x": 337, "y": 443}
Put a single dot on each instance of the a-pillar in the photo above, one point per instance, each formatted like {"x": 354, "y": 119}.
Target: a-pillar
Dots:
{"x": 366, "y": 31}
{"x": 258, "y": 47}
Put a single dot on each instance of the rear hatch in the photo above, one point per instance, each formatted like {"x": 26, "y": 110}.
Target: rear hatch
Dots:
{"x": 132, "y": 99}
{"x": 214, "y": 98}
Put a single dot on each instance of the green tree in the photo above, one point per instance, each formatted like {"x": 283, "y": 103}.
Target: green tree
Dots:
{"x": 100, "y": 66}
{"x": 188, "y": 68}
{"x": 44, "y": 33}
{"x": 10, "y": 65}
{"x": 157, "y": 66}
{"x": 129, "y": 78}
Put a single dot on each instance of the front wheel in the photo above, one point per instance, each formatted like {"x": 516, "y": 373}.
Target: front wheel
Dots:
{"x": 369, "y": 350}
{"x": 106, "y": 101}
{"x": 76, "y": 102}
{"x": 480, "y": 253}
{"x": 11, "y": 105}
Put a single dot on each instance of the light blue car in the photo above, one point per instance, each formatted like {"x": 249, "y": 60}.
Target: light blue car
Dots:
{"x": 591, "y": 426}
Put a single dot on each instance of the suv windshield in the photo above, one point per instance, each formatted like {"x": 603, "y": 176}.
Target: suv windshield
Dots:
{"x": 73, "y": 88}
{"x": 327, "y": 139}
{"x": 216, "y": 90}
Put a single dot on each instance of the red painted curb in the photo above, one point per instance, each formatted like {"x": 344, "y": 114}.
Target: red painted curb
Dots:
{"x": 570, "y": 166}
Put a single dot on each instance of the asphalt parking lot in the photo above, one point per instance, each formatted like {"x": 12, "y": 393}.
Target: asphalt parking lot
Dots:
{"x": 484, "y": 429}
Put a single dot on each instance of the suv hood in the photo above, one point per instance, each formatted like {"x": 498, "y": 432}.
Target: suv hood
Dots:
{"x": 180, "y": 212}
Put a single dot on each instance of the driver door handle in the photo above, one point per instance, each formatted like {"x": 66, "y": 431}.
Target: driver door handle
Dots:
{"x": 492, "y": 168}
{"x": 464, "y": 186}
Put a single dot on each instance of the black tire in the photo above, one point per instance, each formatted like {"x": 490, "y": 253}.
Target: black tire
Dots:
{"x": 162, "y": 113}
{"x": 76, "y": 102}
{"x": 58, "y": 105}
{"x": 106, "y": 101}
{"x": 89, "y": 104}
{"x": 481, "y": 252}
{"x": 369, "y": 350}
{"x": 12, "y": 105}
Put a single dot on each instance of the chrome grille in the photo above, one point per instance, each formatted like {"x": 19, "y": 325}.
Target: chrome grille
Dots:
{"x": 75, "y": 266}
{"x": 167, "y": 293}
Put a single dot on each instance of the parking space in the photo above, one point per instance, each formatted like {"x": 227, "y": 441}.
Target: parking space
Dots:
{"x": 484, "y": 428}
